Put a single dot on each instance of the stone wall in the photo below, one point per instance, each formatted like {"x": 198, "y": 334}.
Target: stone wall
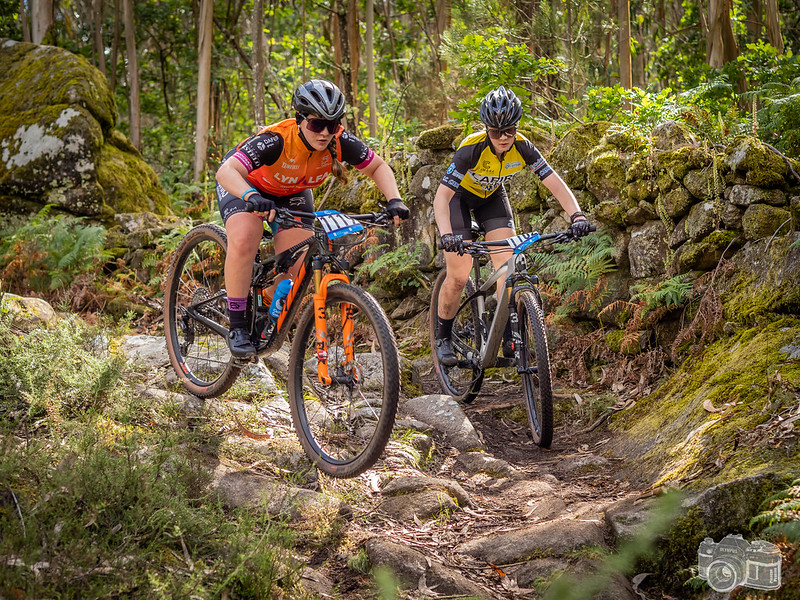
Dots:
{"x": 58, "y": 142}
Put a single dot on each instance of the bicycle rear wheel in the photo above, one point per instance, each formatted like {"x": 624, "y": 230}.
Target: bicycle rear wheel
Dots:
{"x": 196, "y": 281}
{"x": 344, "y": 425}
{"x": 462, "y": 381}
{"x": 536, "y": 385}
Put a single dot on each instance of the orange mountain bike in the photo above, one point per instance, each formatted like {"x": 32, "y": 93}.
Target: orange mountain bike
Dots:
{"x": 344, "y": 374}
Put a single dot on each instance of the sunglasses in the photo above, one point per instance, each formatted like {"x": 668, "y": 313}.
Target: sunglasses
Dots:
{"x": 320, "y": 125}
{"x": 496, "y": 134}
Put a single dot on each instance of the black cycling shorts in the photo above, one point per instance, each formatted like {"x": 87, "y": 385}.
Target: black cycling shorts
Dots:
{"x": 230, "y": 205}
{"x": 492, "y": 212}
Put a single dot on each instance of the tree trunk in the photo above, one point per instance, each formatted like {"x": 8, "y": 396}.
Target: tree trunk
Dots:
{"x": 99, "y": 47}
{"x": 774, "y": 25}
{"x": 133, "y": 74}
{"x": 371, "y": 90}
{"x": 388, "y": 15}
{"x": 115, "y": 43}
{"x": 754, "y": 21}
{"x": 42, "y": 19}
{"x": 625, "y": 69}
{"x": 258, "y": 63}
{"x": 339, "y": 41}
{"x": 304, "y": 30}
{"x": 721, "y": 44}
{"x": 205, "y": 39}
{"x": 353, "y": 38}
{"x": 23, "y": 22}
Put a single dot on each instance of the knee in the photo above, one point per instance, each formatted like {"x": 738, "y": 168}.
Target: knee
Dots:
{"x": 241, "y": 247}
{"x": 456, "y": 281}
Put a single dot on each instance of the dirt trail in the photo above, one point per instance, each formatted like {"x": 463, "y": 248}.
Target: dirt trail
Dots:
{"x": 583, "y": 482}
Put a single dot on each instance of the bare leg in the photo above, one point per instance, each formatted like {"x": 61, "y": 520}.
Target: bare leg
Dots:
{"x": 458, "y": 268}
{"x": 244, "y": 234}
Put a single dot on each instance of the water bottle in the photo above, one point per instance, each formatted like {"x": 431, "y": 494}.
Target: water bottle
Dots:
{"x": 279, "y": 299}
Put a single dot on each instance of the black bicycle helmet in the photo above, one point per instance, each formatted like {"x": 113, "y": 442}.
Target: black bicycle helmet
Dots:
{"x": 319, "y": 97}
{"x": 501, "y": 108}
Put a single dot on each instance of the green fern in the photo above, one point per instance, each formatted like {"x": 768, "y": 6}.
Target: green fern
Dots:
{"x": 576, "y": 271}
{"x": 50, "y": 251}
{"x": 782, "y": 514}
{"x": 670, "y": 293}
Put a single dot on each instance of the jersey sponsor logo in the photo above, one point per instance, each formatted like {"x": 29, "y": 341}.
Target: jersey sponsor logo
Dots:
{"x": 283, "y": 178}
{"x": 451, "y": 168}
{"x": 513, "y": 165}
{"x": 286, "y": 165}
{"x": 317, "y": 179}
{"x": 489, "y": 183}
{"x": 326, "y": 160}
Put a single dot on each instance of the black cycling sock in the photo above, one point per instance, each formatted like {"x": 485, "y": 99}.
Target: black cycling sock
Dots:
{"x": 444, "y": 329}
{"x": 238, "y": 319}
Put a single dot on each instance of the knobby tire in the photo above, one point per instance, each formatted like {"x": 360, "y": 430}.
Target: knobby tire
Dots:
{"x": 537, "y": 386}
{"x": 344, "y": 426}
{"x": 199, "y": 356}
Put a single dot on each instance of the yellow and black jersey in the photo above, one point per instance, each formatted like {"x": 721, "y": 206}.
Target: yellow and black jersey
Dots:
{"x": 478, "y": 170}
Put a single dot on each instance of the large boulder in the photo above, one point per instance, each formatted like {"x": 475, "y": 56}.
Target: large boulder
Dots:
{"x": 58, "y": 144}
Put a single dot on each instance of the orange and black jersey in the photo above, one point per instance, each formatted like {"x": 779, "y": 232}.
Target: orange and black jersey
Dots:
{"x": 279, "y": 162}
{"x": 478, "y": 170}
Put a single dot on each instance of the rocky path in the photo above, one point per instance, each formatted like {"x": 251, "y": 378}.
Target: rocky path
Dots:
{"x": 462, "y": 505}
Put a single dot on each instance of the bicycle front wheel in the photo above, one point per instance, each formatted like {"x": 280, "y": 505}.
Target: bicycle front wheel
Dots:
{"x": 195, "y": 285}
{"x": 462, "y": 381}
{"x": 535, "y": 367}
{"x": 344, "y": 420}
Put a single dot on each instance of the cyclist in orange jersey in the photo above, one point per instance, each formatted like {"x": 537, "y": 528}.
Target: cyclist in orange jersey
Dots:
{"x": 277, "y": 168}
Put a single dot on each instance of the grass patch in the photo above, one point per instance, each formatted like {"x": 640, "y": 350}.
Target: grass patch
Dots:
{"x": 104, "y": 494}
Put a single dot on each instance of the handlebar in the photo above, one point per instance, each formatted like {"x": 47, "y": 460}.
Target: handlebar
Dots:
{"x": 289, "y": 218}
{"x": 481, "y": 247}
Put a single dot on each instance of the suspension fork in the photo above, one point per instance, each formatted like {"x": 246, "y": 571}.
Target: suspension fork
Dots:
{"x": 321, "y": 324}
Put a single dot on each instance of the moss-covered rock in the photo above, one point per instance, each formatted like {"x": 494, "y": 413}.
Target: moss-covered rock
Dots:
{"x": 128, "y": 183}
{"x": 36, "y": 76}
{"x": 641, "y": 190}
{"x": 676, "y": 202}
{"x": 762, "y": 220}
{"x": 672, "y": 436}
{"x": 568, "y": 157}
{"x": 57, "y": 141}
{"x": 605, "y": 174}
{"x": 765, "y": 283}
{"x": 648, "y": 249}
{"x": 745, "y": 195}
{"x": 702, "y": 220}
{"x": 671, "y": 135}
{"x": 610, "y": 213}
{"x": 527, "y": 193}
{"x": 700, "y": 183}
{"x": 677, "y": 163}
{"x": 438, "y": 138}
{"x": 641, "y": 213}
{"x": 705, "y": 254}
{"x": 747, "y": 153}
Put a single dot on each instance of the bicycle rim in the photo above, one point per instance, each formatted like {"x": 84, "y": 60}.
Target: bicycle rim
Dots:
{"x": 536, "y": 386}
{"x": 344, "y": 425}
{"x": 199, "y": 355}
{"x": 464, "y": 380}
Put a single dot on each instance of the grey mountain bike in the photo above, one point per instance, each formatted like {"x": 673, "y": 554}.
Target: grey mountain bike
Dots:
{"x": 478, "y": 329}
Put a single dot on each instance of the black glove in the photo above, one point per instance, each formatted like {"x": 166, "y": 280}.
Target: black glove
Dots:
{"x": 452, "y": 243}
{"x": 259, "y": 203}
{"x": 396, "y": 208}
{"x": 580, "y": 226}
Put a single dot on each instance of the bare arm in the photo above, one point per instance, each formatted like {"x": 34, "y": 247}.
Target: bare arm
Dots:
{"x": 383, "y": 176}
{"x": 562, "y": 193}
{"x": 441, "y": 209}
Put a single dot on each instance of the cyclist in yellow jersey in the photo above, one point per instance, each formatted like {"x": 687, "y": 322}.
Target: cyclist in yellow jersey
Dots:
{"x": 278, "y": 167}
{"x": 474, "y": 183}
